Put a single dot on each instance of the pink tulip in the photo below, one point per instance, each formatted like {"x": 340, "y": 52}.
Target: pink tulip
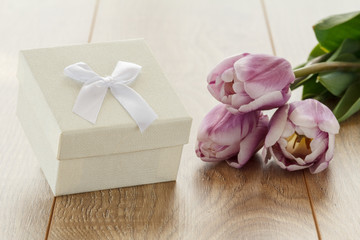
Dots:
{"x": 250, "y": 82}
{"x": 302, "y": 135}
{"x": 223, "y": 135}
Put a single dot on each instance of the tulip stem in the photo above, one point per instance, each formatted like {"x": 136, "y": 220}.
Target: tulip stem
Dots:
{"x": 326, "y": 66}
{"x": 301, "y": 73}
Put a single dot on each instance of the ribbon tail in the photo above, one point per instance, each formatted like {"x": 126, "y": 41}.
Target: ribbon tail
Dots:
{"x": 89, "y": 101}
{"x": 135, "y": 105}
{"x": 81, "y": 72}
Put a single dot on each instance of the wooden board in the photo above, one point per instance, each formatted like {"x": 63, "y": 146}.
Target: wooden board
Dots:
{"x": 208, "y": 201}
{"x": 335, "y": 193}
{"x": 25, "y": 197}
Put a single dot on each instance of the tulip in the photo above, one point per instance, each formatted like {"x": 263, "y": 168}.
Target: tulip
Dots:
{"x": 302, "y": 135}
{"x": 223, "y": 135}
{"x": 251, "y": 82}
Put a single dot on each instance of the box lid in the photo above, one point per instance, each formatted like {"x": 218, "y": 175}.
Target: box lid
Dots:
{"x": 53, "y": 95}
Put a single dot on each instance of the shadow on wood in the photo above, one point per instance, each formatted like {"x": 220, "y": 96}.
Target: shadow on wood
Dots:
{"x": 256, "y": 201}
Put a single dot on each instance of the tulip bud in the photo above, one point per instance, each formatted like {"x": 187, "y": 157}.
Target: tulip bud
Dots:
{"x": 251, "y": 82}
{"x": 223, "y": 135}
{"x": 302, "y": 135}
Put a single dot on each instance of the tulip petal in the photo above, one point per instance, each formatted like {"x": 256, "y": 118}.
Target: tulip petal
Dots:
{"x": 308, "y": 132}
{"x": 223, "y": 66}
{"x": 221, "y": 132}
{"x": 278, "y": 158}
{"x": 319, "y": 166}
{"x": 239, "y": 88}
{"x": 265, "y": 102}
{"x": 230, "y": 129}
{"x": 215, "y": 83}
{"x": 304, "y": 115}
{"x": 282, "y": 144}
{"x": 320, "y": 138}
{"x": 263, "y": 74}
{"x": 284, "y": 162}
{"x": 295, "y": 167}
{"x": 251, "y": 143}
{"x": 311, "y": 113}
{"x": 208, "y": 152}
{"x": 210, "y": 121}
{"x": 331, "y": 146}
{"x": 318, "y": 147}
{"x": 327, "y": 120}
{"x": 266, "y": 155}
{"x": 229, "y": 152}
{"x": 276, "y": 126}
{"x": 311, "y": 119}
{"x": 228, "y": 75}
{"x": 288, "y": 130}
{"x": 232, "y": 162}
{"x": 222, "y": 95}
{"x": 214, "y": 90}
{"x": 240, "y": 99}
{"x": 232, "y": 110}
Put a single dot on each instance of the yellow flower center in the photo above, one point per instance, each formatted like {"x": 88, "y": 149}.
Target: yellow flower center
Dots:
{"x": 298, "y": 145}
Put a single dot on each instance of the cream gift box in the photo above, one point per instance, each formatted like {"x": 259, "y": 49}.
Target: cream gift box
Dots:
{"x": 78, "y": 156}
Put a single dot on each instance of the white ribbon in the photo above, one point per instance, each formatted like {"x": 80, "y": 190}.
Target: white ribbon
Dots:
{"x": 92, "y": 93}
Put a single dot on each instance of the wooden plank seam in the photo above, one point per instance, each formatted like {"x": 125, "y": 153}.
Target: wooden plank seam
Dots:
{"x": 274, "y": 52}
{"x": 312, "y": 207}
{"x": 89, "y": 40}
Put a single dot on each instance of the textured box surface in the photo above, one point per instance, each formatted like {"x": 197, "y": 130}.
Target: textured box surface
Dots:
{"x": 77, "y": 156}
{"x": 41, "y": 73}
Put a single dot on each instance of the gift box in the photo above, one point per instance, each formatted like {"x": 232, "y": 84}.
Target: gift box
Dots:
{"x": 76, "y": 155}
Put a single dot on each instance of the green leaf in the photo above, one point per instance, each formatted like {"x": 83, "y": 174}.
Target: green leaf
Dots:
{"x": 317, "y": 51}
{"x": 300, "y": 81}
{"x": 312, "y": 88}
{"x": 349, "y": 103}
{"x": 337, "y": 82}
{"x": 332, "y": 31}
{"x": 348, "y": 51}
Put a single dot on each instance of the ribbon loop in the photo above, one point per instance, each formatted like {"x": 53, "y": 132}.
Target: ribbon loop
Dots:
{"x": 94, "y": 89}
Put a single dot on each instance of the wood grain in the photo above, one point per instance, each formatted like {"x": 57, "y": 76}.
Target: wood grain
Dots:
{"x": 208, "y": 201}
{"x": 25, "y": 198}
{"x": 334, "y": 192}
{"x": 124, "y": 213}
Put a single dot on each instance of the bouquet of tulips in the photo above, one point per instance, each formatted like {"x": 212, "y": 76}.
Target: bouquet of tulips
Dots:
{"x": 300, "y": 134}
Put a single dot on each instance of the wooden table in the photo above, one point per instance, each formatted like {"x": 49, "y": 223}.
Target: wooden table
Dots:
{"x": 208, "y": 201}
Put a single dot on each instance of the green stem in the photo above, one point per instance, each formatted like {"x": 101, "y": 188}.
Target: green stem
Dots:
{"x": 302, "y": 73}
{"x": 326, "y": 66}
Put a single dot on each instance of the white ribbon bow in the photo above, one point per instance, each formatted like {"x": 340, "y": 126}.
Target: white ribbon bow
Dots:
{"x": 92, "y": 93}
